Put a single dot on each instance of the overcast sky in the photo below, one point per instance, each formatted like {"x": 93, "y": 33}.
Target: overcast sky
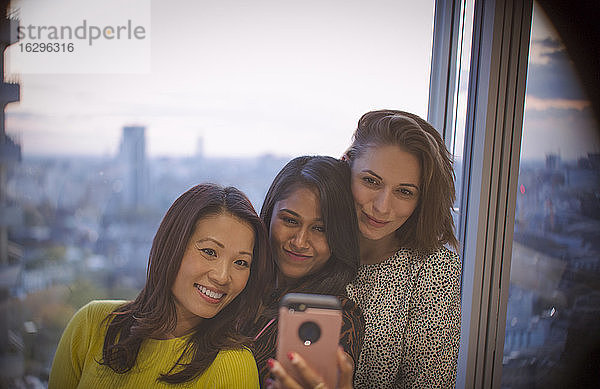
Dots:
{"x": 558, "y": 115}
{"x": 280, "y": 77}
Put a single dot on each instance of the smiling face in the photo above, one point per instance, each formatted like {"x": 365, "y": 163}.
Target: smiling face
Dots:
{"x": 297, "y": 233}
{"x": 386, "y": 187}
{"x": 214, "y": 269}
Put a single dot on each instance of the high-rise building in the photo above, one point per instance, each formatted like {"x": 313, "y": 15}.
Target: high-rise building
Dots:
{"x": 200, "y": 147}
{"x": 10, "y": 151}
{"x": 10, "y": 213}
{"x": 132, "y": 156}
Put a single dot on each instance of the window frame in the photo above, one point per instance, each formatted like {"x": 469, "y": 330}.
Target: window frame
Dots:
{"x": 494, "y": 124}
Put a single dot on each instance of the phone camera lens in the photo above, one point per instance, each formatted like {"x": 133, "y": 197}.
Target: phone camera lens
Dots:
{"x": 309, "y": 332}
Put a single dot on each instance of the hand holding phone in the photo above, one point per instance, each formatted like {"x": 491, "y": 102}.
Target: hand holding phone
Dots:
{"x": 309, "y": 324}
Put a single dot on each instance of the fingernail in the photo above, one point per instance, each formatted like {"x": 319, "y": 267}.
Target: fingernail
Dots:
{"x": 269, "y": 383}
{"x": 290, "y": 356}
{"x": 270, "y": 363}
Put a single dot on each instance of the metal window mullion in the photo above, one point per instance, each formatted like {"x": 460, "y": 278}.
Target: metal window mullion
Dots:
{"x": 496, "y": 219}
{"x": 517, "y": 77}
{"x": 494, "y": 120}
{"x": 471, "y": 211}
{"x": 442, "y": 80}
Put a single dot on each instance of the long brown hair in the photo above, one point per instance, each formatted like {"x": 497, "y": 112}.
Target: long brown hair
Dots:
{"x": 431, "y": 224}
{"x": 153, "y": 313}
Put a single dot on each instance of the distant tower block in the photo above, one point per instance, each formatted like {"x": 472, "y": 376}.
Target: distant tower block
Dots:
{"x": 132, "y": 156}
{"x": 200, "y": 147}
{"x": 10, "y": 150}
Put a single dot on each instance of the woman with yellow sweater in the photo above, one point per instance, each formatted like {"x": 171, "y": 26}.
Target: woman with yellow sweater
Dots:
{"x": 206, "y": 273}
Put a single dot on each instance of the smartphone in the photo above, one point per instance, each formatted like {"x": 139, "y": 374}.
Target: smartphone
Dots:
{"x": 310, "y": 324}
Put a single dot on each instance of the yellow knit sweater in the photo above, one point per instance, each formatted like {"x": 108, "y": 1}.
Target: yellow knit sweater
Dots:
{"x": 80, "y": 348}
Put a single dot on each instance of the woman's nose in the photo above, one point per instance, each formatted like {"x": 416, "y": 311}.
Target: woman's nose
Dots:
{"x": 220, "y": 273}
{"x": 300, "y": 239}
{"x": 382, "y": 202}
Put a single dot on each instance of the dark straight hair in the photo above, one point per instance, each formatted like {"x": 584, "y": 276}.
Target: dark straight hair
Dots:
{"x": 153, "y": 313}
{"x": 330, "y": 179}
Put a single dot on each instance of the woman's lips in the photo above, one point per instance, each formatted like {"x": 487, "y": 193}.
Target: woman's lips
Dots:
{"x": 374, "y": 222}
{"x": 296, "y": 256}
{"x": 212, "y": 296}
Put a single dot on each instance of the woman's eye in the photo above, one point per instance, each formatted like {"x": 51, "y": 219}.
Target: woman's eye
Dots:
{"x": 370, "y": 180}
{"x": 289, "y": 220}
{"x": 405, "y": 192}
{"x": 319, "y": 228}
{"x": 242, "y": 262}
{"x": 209, "y": 252}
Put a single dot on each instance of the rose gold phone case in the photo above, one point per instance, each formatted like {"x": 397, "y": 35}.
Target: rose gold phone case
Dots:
{"x": 296, "y": 333}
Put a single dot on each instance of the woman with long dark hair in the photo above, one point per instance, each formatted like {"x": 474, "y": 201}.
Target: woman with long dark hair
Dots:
{"x": 309, "y": 212}
{"x": 206, "y": 274}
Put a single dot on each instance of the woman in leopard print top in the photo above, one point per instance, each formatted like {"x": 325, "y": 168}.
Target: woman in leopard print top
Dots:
{"x": 408, "y": 284}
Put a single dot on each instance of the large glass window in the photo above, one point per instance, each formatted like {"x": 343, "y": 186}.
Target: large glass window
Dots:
{"x": 235, "y": 90}
{"x": 552, "y": 336}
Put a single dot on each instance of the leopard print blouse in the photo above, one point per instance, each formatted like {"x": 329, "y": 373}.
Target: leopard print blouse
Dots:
{"x": 351, "y": 336}
{"x": 411, "y": 306}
